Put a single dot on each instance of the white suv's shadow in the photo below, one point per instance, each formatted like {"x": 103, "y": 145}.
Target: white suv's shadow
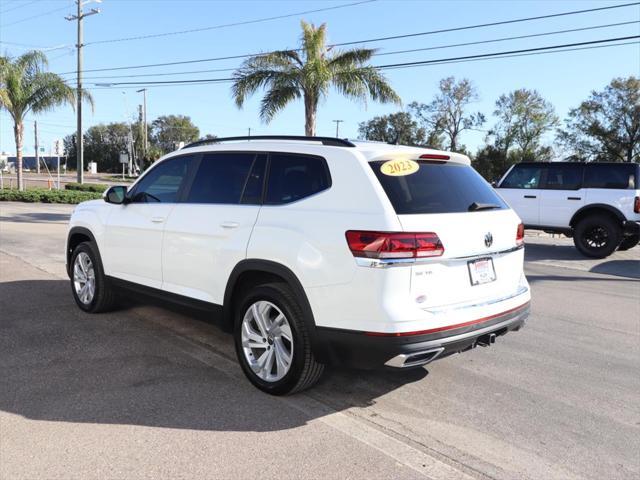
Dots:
{"x": 60, "y": 364}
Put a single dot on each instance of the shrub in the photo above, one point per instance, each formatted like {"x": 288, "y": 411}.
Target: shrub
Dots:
{"x": 48, "y": 196}
{"x": 86, "y": 187}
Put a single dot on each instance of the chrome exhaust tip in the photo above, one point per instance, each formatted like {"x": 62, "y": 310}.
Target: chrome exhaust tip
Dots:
{"x": 414, "y": 359}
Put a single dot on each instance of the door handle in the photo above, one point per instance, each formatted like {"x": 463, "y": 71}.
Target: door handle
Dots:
{"x": 229, "y": 224}
{"x": 157, "y": 219}
{"x": 574, "y": 198}
{"x": 530, "y": 196}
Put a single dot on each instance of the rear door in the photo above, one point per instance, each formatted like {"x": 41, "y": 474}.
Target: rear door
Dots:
{"x": 207, "y": 234}
{"x": 521, "y": 190}
{"x": 475, "y": 226}
{"x": 562, "y": 194}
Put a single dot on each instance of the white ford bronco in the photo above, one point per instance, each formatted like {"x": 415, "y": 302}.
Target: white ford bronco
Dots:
{"x": 312, "y": 251}
{"x": 598, "y": 204}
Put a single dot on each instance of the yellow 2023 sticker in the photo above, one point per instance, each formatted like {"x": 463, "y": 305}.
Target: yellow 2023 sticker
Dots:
{"x": 399, "y": 168}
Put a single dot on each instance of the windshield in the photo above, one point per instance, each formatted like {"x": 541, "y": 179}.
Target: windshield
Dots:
{"x": 438, "y": 187}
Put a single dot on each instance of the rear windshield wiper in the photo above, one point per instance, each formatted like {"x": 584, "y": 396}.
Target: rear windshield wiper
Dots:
{"x": 475, "y": 206}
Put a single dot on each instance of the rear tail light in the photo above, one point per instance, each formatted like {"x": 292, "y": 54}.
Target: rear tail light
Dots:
{"x": 434, "y": 156}
{"x": 636, "y": 205}
{"x": 394, "y": 245}
{"x": 520, "y": 235}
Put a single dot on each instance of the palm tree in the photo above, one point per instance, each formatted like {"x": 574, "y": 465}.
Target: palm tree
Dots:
{"x": 308, "y": 73}
{"x": 26, "y": 87}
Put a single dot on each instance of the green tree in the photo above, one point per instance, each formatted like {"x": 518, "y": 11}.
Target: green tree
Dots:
{"x": 396, "y": 128}
{"x": 308, "y": 73}
{"x": 524, "y": 117}
{"x": 26, "y": 87}
{"x": 606, "y": 126}
{"x": 167, "y": 131}
{"x": 103, "y": 144}
{"x": 448, "y": 112}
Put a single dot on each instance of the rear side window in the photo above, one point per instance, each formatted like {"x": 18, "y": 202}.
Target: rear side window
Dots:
{"x": 221, "y": 178}
{"x": 523, "y": 176}
{"x": 564, "y": 176}
{"x": 293, "y": 177}
{"x": 438, "y": 188}
{"x": 603, "y": 175}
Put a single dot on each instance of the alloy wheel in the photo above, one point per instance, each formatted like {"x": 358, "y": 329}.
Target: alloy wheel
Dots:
{"x": 84, "y": 279}
{"x": 267, "y": 341}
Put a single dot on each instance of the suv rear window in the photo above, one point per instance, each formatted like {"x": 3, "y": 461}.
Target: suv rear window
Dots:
{"x": 437, "y": 187}
{"x": 621, "y": 176}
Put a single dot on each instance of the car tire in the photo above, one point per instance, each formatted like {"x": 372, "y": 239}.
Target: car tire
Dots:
{"x": 597, "y": 236}
{"x": 272, "y": 341}
{"x": 629, "y": 242}
{"x": 89, "y": 285}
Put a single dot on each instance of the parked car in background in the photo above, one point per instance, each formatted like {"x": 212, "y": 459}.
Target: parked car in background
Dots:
{"x": 598, "y": 204}
{"x": 313, "y": 251}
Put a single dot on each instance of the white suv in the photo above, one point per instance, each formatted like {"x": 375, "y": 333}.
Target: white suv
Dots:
{"x": 598, "y": 204}
{"x": 313, "y": 251}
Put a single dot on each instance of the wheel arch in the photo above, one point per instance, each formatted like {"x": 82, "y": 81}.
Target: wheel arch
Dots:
{"x": 75, "y": 237}
{"x": 595, "y": 208}
{"x": 252, "y": 272}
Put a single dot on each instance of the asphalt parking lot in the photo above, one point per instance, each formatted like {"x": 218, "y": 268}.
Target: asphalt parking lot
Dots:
{"x": 154, "y": 392}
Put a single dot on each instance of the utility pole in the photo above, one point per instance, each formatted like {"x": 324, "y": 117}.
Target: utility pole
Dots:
{"x": 144, "y": 121}
{"x": 79, "y": 16}
{"x": 35, "y": 131}
{"x": 249, "y": 131}
{"x": 338, "y": 122}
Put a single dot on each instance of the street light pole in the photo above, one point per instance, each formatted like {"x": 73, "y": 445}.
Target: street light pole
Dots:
{"x": 79, "y": 16}
{"x": 144, "y": 120}
{"x": 338, "y": 122}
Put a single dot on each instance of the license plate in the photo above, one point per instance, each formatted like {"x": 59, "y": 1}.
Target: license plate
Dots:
{"x": 481, "y": 271}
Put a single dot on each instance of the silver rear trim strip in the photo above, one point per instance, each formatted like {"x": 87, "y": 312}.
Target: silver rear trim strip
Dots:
{"x": 400, "y": 262}
{"x": 522, "y": 290}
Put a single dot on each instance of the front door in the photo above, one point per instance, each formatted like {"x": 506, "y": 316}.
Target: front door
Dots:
{"x": 521, "y": 190}
{"x": 133, "y": 237}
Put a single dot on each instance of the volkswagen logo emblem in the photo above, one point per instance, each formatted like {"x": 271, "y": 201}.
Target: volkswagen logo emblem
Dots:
{"x": 488, "y": 239}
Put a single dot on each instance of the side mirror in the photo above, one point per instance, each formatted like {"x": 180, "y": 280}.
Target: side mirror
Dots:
{"x": 116, "y": 195}
{"x": 494, "y": 184}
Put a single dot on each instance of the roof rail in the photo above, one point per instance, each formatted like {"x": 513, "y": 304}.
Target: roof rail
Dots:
{"x": 329, "y": 141}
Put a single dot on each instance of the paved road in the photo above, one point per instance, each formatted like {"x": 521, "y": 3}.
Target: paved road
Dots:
{"x": 152, "y": 392}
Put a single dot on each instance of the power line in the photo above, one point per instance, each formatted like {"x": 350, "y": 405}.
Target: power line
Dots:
{"x": 234, "y": 57}
{"x": 34, "y": 16}
{"x": 504, "y": 39}
{"x": 226, "y": 25}
{"x": 18, "y": 6}
{"x": 405, "y": 64}
{"x": 494, "y": 54}
{"x": 592, "y": 47}
{"x": 492, "y": 24}
{"x": 438, "y": 47}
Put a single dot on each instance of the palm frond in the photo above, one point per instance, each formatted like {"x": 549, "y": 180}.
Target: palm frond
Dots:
{"x": 351, "y": 58}
{"x": 363, "y": 82}
{"x": 276, "y": 99}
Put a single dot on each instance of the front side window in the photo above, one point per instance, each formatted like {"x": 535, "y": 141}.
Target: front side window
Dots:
{"x": 564, "y": 176}
{"x": 523, "y": 176}
{"x": 611, "y": 176}
{"x": 223, "y": 177}
{"x": 293, "y": 177}
{"x": 163, "y": 182}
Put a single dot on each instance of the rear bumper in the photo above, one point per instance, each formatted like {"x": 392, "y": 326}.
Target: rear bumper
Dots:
{"x": 367, "y": 351}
